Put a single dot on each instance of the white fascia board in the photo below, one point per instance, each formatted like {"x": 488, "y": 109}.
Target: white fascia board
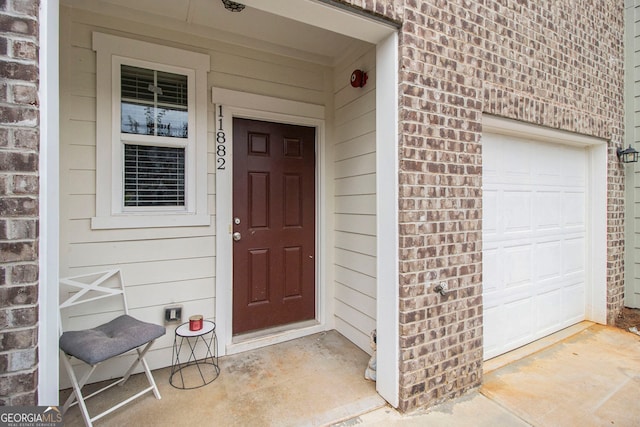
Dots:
{"x": 328, "y": 17}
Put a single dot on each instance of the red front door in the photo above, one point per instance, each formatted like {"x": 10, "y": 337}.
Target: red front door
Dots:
{"x": 274, "y": 214}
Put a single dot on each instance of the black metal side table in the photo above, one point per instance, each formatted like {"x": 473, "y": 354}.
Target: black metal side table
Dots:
{"x": 195, "y": 373}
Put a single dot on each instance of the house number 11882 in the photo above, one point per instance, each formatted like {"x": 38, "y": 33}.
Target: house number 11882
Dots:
{"x": 221, "y": 140}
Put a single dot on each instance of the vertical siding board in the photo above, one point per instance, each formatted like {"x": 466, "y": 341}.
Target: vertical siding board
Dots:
{"x": 632, "y": 87}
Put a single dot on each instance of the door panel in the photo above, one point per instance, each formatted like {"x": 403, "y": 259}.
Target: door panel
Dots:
{"x": 274, "y": 200}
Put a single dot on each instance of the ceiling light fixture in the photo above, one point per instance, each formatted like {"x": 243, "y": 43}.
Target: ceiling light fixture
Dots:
{"x": 233, "y": 6}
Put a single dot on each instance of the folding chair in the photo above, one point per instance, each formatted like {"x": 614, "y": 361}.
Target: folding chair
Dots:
{"x": 96, "y": 345}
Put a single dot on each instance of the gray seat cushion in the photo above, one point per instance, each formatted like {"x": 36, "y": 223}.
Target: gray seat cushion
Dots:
{"x": 122, "y": 334}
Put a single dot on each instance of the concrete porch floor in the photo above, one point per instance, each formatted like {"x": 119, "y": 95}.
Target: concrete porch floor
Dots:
{"x": 587, "y": 375}
{"x": 316, "y": 380}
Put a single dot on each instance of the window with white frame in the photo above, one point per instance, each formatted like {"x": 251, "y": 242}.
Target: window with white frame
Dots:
{"x": 151, "y": 135}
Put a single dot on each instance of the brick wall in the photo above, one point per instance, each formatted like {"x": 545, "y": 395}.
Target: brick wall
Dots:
{"x": 388, "y": 9}
{"x": 554, "y": 63}
{"x": 18, "y": 201}
{"x": 440, "y": 203}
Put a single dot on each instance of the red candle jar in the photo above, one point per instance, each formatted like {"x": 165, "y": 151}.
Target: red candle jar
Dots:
{"x": 195, "y": 322}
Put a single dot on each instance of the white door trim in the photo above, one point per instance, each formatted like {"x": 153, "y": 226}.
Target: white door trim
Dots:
{"x": 596, "y": 285}
{"x": 260, "y": 107}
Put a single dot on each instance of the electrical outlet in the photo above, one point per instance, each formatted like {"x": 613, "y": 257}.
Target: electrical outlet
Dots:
{"x": 173, "y": 314}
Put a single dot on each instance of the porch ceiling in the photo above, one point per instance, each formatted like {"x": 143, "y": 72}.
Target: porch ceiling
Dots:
{"x": 251, "y": 27}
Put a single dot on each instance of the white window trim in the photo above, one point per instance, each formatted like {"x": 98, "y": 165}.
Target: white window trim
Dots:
{"x": 111, "y": 51}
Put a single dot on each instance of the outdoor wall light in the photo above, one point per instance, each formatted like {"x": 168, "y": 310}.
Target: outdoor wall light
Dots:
{"x": 233, "y": 6}
{"x": 628, "y": 155}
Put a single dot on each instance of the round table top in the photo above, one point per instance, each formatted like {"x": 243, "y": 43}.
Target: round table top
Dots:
{"x": 184, "y": 331}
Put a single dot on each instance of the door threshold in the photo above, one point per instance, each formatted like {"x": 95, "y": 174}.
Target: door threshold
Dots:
{"x": 270, "y": 336}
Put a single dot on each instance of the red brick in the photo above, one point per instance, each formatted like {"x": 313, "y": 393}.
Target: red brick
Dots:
{"x": 25, "y": 7}
{"x": 18, "y": 71}
{"x": 18, "y": 115}
{"x": 18, "y": 206}
{"x": 20, "y": 26}
{"x": 25, "y": 94}
{"x": 14, "y": 340}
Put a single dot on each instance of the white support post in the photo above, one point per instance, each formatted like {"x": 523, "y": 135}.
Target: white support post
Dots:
{"x": 49, "y": 204}
{"x": 388, "y": 342}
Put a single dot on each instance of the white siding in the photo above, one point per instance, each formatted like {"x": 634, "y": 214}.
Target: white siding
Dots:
{"x": 355, "y": 201}
{"x": 632, "y": 137}
{"x": 162, "y": 266}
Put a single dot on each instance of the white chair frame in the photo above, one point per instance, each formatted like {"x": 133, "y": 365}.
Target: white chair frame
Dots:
{"x": 76, "y": 397}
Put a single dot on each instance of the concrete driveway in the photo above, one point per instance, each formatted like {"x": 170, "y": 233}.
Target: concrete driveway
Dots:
{"x": 590, "y": 378}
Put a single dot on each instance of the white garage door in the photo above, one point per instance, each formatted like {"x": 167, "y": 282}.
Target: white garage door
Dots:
{"x": 534, "y": 231}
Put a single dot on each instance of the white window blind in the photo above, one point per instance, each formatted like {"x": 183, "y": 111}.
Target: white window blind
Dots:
{"x": 154, "y": 176}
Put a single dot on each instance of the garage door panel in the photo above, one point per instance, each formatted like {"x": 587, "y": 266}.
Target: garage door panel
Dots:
{"x": 492, "y": 320}
{"x": 574, "y": 208}
{"x": 574, "y": 297}
{"x": 548, "y": 170}
{"x": 515, "y": 165}
{"x": 558, "y": 164}
{"x": 517, "y": 321}
{"x": 519, "y": 293}
{"x": 517, "y": 265}
{"x": 574, "y": 255}
{"x": 490, "y": 212}
{"x": 491, "y": 270}
{"x": 492, "y": 159}
{"x": 516, "y": 209}
{"x": 548, "y": 261}
{"x": 534, "y": 237}
{"x": 548, "y": 210}
{"x": 575, "y": 168}
{"x": 550, "y": 308}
